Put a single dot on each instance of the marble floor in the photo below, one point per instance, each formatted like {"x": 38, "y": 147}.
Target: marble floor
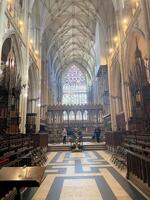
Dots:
{"x": 83, "y": 176}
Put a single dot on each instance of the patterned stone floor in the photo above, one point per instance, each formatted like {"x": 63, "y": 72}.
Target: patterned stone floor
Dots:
{"x": 83, "y": 176}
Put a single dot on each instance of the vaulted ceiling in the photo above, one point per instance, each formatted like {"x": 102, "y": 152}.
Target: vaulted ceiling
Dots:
{"x": 68, "y": 31}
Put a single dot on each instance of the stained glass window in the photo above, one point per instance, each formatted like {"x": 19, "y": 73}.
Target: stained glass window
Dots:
{"x": 74, "y": 87}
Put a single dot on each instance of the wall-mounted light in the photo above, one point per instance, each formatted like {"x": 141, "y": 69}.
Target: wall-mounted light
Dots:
{"x": 111, "y": 50}
{"x": 116, "y": 39}
{"x": 36, "y": 52}
{"x": 136, "y": 3}
{"x": 31, "y": 42}
{"x": 125, "y": 21}
{"x": 20, "y": 25}
{"x": 9, "y": 2}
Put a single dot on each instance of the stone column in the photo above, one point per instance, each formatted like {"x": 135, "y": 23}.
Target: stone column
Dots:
{"x": 82, "y": 112}
{"x": 97, "y": 116}
{"x": 113, "y": 116}
{"x": 122, "y": 69}
{"x": 75, "y": 115}
{"x": 24, "y": 75}
{"x": 68, "y": 117}
{"x": 112, "y": 108}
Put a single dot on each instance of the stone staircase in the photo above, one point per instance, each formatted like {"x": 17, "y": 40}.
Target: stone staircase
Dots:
{"x": 87, "y": 146}
{"x": 94, "y": 146}
{"x": 87, "y": 137}
{"x": 58, "y": 147}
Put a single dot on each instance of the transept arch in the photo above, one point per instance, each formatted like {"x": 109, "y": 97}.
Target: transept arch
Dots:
{"x": 12, "y": 37}
{"x": 10, "y": 83}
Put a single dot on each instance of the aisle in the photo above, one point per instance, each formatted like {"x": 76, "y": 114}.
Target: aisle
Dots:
{"x": 83, "y": 176}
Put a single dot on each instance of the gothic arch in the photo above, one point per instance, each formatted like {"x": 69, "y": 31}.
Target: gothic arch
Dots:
{"x": 135, "y": 35}
{"x": 65, "y": 115}
{"x": 85, "y": 115}
{"x": 71, "y": 115}
{"x": 17, "y": 50}
{"x": 135, "y": 70}
{"x": 78, "y": 115}
{"x": 10, "y": 82}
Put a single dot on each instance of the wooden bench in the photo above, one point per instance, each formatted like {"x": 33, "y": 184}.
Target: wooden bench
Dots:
{"x": 138, "y": 170}
{"x": 119, "y": 157}
{"x": 10, "y": 195}
{"x": 19, "y": 177}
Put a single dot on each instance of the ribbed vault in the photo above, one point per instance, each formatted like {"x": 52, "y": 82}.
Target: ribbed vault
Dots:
{"x": 68, "y": 30}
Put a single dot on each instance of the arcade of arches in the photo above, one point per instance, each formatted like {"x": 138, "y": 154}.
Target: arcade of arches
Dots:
{"x": 79, "y": 63}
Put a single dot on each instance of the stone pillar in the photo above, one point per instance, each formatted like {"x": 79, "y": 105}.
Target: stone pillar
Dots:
{"x": 96, "y": 116}
{"x": 39, "y": 91}
{"x": 61, "y": 118}
{"x": 75, "y": 115}
{"x": 112, "y": 106}
{"x": 122, "y": 69}
{"x": 82, "y": 112}
{"x": 68, "y": 117}
{"x": 113, "y": 115}
{"x": 24, "y": 75}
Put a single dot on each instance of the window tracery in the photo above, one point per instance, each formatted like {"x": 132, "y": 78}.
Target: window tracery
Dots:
{"x": 74, "y": 87}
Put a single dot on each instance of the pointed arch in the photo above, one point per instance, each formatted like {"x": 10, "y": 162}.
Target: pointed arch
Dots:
{"x": 78, "y": 115}
{"x": 85, "y": 115}
{"x": 65, "y": 116}
{"x": 74, "y": 87}
{"x": 71, "y": 116}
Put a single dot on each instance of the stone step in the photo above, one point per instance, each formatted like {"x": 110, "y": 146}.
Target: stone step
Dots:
{"x": 52, "y": 148}
{"x": 94, "y": 148}
{"x": 87, "y": 139}
{"x": 86, "y": 147}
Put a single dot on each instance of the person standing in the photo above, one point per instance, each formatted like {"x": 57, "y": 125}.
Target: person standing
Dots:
{"x": 97, "y": 134}
{"x": 64, "y": 134}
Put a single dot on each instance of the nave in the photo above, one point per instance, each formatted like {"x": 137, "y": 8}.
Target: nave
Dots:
{"x": 87, "y": 175}
{"x": 74, "y": 71}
